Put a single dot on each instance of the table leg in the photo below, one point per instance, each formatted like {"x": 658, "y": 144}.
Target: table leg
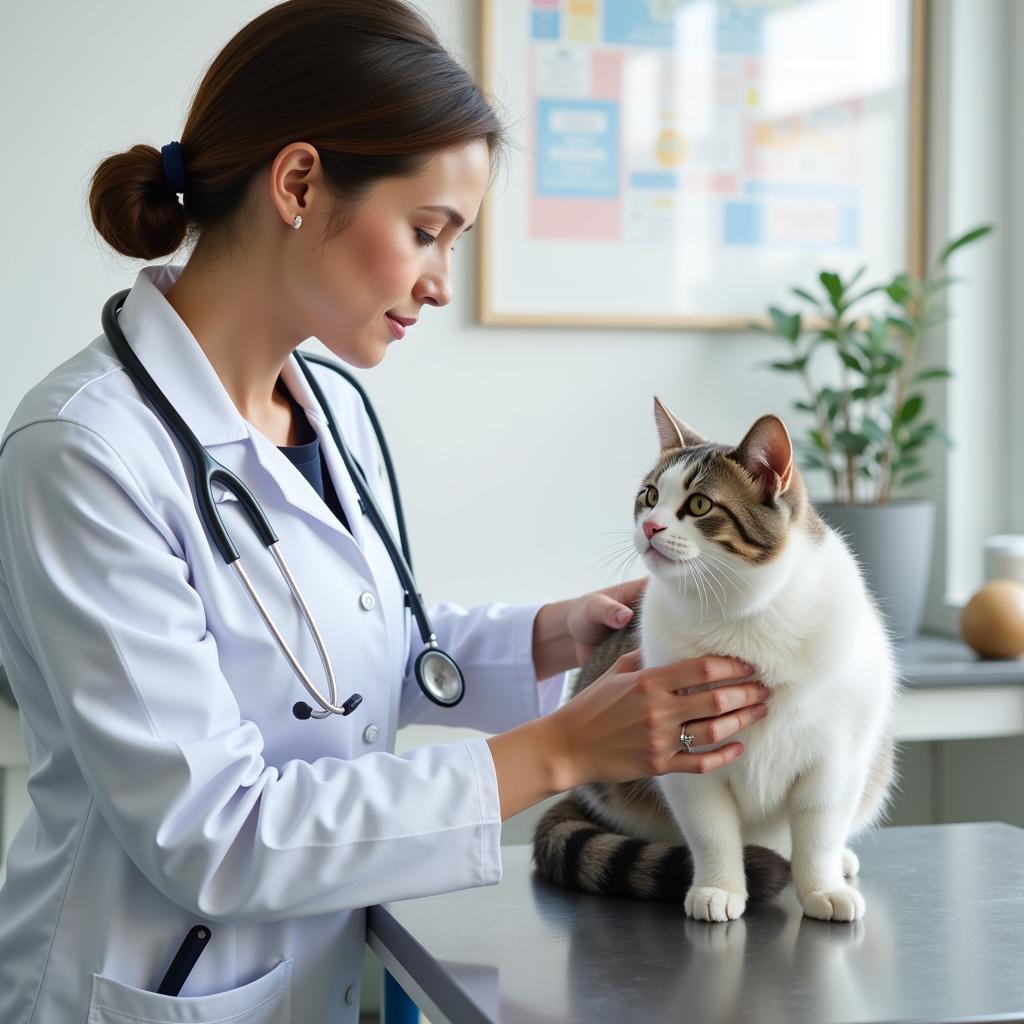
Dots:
{"x": 398, "y": 1007}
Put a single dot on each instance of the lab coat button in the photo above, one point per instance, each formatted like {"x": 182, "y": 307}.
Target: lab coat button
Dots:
{"x": 368, "y": 601}
{"x": 350, "y": 995}
{"x": 371, "y": 733}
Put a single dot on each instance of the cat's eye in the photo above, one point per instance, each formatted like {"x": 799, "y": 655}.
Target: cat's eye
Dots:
{"x": 698, "y": 505}
{"x": 651, "y": 495}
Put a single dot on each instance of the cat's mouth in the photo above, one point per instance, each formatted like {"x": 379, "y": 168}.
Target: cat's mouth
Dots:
{"x": 657, "y": 555}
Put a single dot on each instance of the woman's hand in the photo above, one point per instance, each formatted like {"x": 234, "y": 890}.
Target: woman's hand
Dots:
{"x": 565, "y": 633}
{"x": 626, "y": 724}
{"x": 593, "y": 616}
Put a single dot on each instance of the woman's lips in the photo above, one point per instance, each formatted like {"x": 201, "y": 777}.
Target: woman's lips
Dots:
{"x": 397, "y": 329}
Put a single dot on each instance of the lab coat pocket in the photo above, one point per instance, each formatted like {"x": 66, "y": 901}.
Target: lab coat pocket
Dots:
{"x": 267, "y": 1000}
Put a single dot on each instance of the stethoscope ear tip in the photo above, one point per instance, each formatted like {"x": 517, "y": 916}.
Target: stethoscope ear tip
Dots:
{"x": 301, "y": 710}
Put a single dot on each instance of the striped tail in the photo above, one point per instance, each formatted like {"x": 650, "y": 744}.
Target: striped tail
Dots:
{"x": 571, "y": 849}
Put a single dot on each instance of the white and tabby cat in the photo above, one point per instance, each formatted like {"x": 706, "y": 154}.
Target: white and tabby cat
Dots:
{"x": 741, "y": 565}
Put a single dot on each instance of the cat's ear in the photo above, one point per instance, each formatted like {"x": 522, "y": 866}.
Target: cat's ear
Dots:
{"x": 766, "y": 453}
{"x": 673, "y": 432}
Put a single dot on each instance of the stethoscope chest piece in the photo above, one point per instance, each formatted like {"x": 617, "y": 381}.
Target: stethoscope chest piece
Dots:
{"x": 439, "y": 677}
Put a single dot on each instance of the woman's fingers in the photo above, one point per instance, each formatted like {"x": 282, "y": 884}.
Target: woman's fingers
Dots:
{"x": 708, "y": 731}
{"x": 704, "y": 761}
{"x": 699, "y": 672}
{"x": 722, "y": 700}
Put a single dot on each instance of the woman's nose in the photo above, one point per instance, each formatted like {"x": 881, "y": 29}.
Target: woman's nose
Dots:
{"x": 435, "y": 290}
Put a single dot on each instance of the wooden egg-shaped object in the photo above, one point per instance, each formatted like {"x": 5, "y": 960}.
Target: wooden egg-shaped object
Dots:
{"x": 992, "y": 622}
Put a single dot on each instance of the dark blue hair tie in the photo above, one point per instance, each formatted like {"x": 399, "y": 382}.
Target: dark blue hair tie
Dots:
{"x": 174, "y": 167}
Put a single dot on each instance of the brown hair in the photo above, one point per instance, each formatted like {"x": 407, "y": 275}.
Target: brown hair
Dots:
{"x": 368, "y": 84}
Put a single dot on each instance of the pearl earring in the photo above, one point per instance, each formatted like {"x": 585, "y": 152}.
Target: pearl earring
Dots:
{"x": 297, "y": 223}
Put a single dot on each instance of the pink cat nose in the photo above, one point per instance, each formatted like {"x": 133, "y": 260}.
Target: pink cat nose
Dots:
{"x": 651, "y": 528}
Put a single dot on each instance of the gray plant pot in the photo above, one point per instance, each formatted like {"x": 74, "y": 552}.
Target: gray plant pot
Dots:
{"x": 893, "y": 544}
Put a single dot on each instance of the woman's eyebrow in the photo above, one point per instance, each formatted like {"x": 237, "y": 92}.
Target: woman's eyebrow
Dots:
{"x": 454, "y": 217}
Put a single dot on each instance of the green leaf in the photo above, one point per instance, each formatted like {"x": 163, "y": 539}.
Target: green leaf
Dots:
{"x": 935, "y": 373}
{"x": 804, "y": 294}
{"x": 819, "y": 441}
{"x": 878, "y": 331}
{"x": 833, "y": 285}
{"x": 911, "y": 407}
{"x": 899, "y": 289}
{"x": 852, "y": 442}
{"x": 850, "y": 360}
{"x": 796, "y": 366}
{"x": 901, "y": 324}
{"x": 787, "y": 325}
{"x": 971, "y": 236}
{"x": 804, "y": 407}
{"x": 871, "y": 428}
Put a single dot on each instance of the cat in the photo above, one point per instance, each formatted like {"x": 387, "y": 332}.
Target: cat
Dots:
{"x": 744, "y": 567}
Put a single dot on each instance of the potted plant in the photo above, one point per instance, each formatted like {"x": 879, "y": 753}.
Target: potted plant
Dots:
{"x": 868, "y": 427}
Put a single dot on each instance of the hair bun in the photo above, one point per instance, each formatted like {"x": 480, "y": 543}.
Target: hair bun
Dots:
{"x": 132, "y": 206}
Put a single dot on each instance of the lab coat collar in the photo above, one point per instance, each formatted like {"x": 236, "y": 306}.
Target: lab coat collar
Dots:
{"x": 177, "y": 363}
{"x": 175, "y": 360}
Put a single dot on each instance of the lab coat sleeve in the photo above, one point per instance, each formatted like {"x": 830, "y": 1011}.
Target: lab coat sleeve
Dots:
{"x": 493, "y": 646}
{"x": 102, "y": 590}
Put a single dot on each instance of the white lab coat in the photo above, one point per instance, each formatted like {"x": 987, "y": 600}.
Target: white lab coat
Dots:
{"x": 170, "y": 783}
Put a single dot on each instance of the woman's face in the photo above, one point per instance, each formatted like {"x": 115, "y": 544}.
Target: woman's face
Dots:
{"x": 366, "y": 287}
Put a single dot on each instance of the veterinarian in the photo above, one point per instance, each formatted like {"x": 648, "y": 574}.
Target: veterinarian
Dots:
{"x": 209, "y": 627}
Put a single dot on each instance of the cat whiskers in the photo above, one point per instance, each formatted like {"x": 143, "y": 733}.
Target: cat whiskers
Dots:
{"x": 624, "y": 552}
{"x": 698, "y": 583}
{"x": 722, "y": 563}
{"x": 733, "y": 578}
{"x": 710, "y": 579}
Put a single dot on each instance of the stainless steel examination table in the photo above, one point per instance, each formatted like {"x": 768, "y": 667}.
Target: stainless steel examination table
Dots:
{"x": 942, "y": 940}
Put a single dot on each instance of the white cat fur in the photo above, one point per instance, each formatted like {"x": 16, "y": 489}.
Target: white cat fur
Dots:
{"x": 808, "y": 624}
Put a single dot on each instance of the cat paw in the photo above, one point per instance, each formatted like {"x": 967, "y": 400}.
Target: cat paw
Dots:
{"x": 709, "y": 903}
{"x": 851, "y": 864}
{"x": 842, "y": 904}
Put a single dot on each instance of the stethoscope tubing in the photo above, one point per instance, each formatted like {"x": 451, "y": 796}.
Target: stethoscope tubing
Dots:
{"x": 207, "y": 470}
{"x": 374, "y": 512}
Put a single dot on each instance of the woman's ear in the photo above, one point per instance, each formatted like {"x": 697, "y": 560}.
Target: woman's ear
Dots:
{"x": 766, "y": 453}
{"x": 673, "y": 432}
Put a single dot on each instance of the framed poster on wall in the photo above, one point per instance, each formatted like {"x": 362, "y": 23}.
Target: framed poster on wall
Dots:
{"x": 682, "y": 163}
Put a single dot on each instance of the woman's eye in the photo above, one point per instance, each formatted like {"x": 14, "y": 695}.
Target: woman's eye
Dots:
{"x": 651, "y": 497}
{"x": 424, "y": 238}
{"x": 699, "y": 505}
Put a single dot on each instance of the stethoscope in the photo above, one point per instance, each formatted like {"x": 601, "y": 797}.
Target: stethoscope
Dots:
{"x": 437, "y": 673}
